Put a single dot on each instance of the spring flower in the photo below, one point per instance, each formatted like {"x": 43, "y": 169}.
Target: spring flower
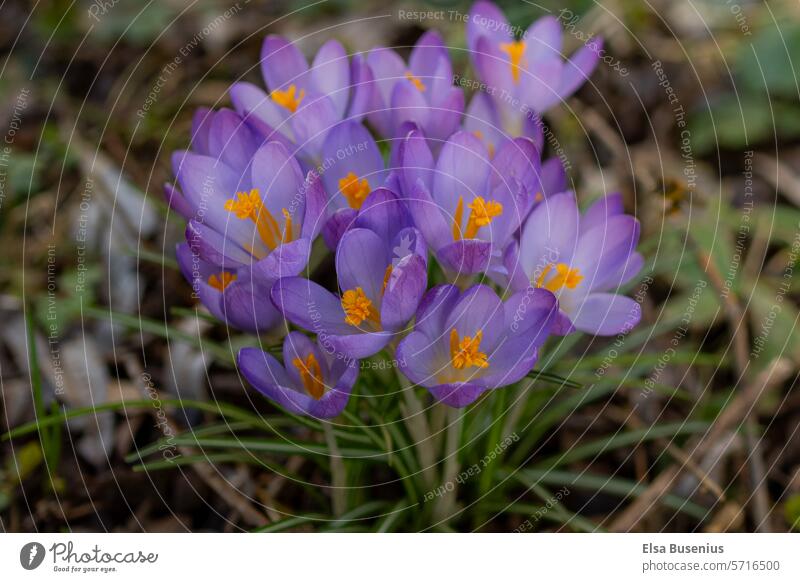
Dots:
{"x": 582, "y": 260}
{"x": 465, "y": 343}
{"x": 528, "y": 75}
{"x": 232, "y": 296}
{"x": 248, "y": 204}
{"x": 310, "y": 382}
{"x": 465, "y": 204}
{"x": 352, "y": 168}
{"x": 301, "y": 103}
{"x": 421, "y": 91}
{"x": 382, "y": 272}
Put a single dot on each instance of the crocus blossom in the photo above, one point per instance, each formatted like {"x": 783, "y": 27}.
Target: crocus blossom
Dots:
{"x": 232, "y": 296}
{"x": 421, "y": 91}
{"x": 248, "y": 204}
{"x": 382, "y": 272}
{"x": 466, "y": 204}
{"x": 582, "y": 260}
{"x": 525, "y": 76}
{"x": 310, "y": 382}
{"x": 464, "y": 344}
{"x": 352, "y": 168}
{"x": 302, "y": 103}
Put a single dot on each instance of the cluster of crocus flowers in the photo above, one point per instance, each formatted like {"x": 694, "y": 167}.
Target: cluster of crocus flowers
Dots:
{"x": 455, "y": 250}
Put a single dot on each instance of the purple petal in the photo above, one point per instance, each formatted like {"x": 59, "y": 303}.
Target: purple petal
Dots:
{"x": 416, "y": 162}
{"x": 429, "y": 219}
{"x": 177, "y": 202}
{"x": 276, "y": 173}
{"x": 330, "y": 73}
{"x": 312, "y": 122}
{"x": 310, "y": 306}
{"x": 602, "y": 249}
{"x": 231, "y": 139}
{"x": 550, "y": 234}
{"x": 510, "y": 362}
{"x": 359, "y": 345}
{"x": 282, "y": 63}
{"x": 538, "y": 87}
{"x": 351, "y": 148}
{"x": 602, "y": 210}
{"x": 335, "y": 227}
{"x": 409, "y": 105}
{"x": 607, "y": 314}
{"x": 215, "y": 248}
{"x": 465, "y": 257}
{"x": 434, "y": 308}
{"x": 361, "y": 261}
{"x": 553, "y": 178}
{"x": 363, "y": 85}
{"x": 421, "y": 357}
{"x": 316, "y": 201}
{"x": 384, "y": 214}
{"x": 445, "y": 115}
{"x": 457, "y": 395}
{"x": 201, "y": 124}
{"x": 463, "y": 169}
{"x": 478, "y": 309}
{"x": 543, "y": 40}
{"x": 530, "y": 312}
{"x": 287, "y": 260}
{"x": 404, "y": 291}
{"x": 486, "y": 20}
{"x": 579, "y": 67}
{"x": 255, "y": 106}
{"x": 246, "y": 305}
{"x": 426, "y": 55}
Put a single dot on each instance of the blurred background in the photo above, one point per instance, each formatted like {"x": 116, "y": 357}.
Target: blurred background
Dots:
{"x": 690, "y": 423}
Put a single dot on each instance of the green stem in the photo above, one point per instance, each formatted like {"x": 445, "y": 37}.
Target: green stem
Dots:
{"x": 339, "y": 484}
{"x": 447, "y": 504}
{"x": 417, "y": 424}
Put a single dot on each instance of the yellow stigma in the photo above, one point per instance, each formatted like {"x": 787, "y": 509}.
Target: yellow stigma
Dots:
{"x": 287, "y": 98}
{"x": 354, "y": 189}
{"x": 563, "y": 277}
{"x": 417, "y": 83}
{"x": 249, "y": 206}
{"x": 220, "y": 282}
{"x": 515, "y": 51}
{"x": 357, "y": 307}
{"x": 481, "y": 214}
{"x": 311, "y": 375}
{"x": 464, "y": 353}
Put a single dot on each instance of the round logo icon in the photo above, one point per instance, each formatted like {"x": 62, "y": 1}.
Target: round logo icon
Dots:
{"x": 31, "y": 555}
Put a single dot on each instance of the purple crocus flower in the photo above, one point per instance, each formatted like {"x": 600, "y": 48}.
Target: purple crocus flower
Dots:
{"x": 352, "y": 167}
{"x": 582, "y": 260}
{"x": 232, "y": 296}
{"x": 526, "y": 76}
{"x": 421, "y": 92}
{"x": 246, "y": 201}
{"x": 382, "y": 273}
{"x": 302, "y": 102}
{"x": 467, "y": 205}
{"x": 310, "y": 382}
{"x": 464, "y": 344}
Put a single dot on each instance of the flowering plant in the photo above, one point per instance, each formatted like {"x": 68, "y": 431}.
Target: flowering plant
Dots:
{"x": 457, "y": 251}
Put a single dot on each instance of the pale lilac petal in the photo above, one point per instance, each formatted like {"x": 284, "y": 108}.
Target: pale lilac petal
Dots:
{"x": 543, "y": 40}
{"x": 404, "y": 291}
{"x": 361, "y": 261}
{"x": 457, "y": 395}
{"x": 349, "y": 147}
{"x": 359, "y": 345}
{"x": 338, "y": 223}
{"x": 487, "y": 20}
{"x": 310, "y": 306}
{"x": 478, "y": 309}
{"x": 446, "y": 115}
{"x": 282, "y": 63}
{"x": 549, "y": 235}
{"x": 330, "y": 73}
{"x": 607, "y": 314}
{"x": 247, "y": 307}
{"x": 434, "y": 308}
{"x": 215, "y": 248}
{"x": 465, "y": 257}
{"x": 177, "y": 202}
{"x": 417, "y": 162}
{"x": 602, "y": 210}
{"x": 579, "y": 67}
{"x": 409, "y": 105}
{"x": 231, "y": 139}
{"x": 426, "y": 56}
{"x": 429, "y": 219}
{"x": 287, "y": 260}
{"x": 276, "y": 173}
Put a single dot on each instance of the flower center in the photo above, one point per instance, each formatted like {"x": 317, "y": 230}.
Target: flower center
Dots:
{"x": 357, "y": 307}
{"x": 562, "y": 277}
{"x": 464, "y": 353}
{"x": 289, "y": 98}
{"x": 355, "y": 189}
{"x": 311, "y": 375}
{"x": 249, "y": 206}
{"x": 516, "y": 53}
{"x": 221, "y": 281}
{"x": 482, "y": 212}
{"x": 417, "y": 83}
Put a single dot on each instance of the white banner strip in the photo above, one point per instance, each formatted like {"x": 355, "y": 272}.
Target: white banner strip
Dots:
{"x": 400, "y": 557}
